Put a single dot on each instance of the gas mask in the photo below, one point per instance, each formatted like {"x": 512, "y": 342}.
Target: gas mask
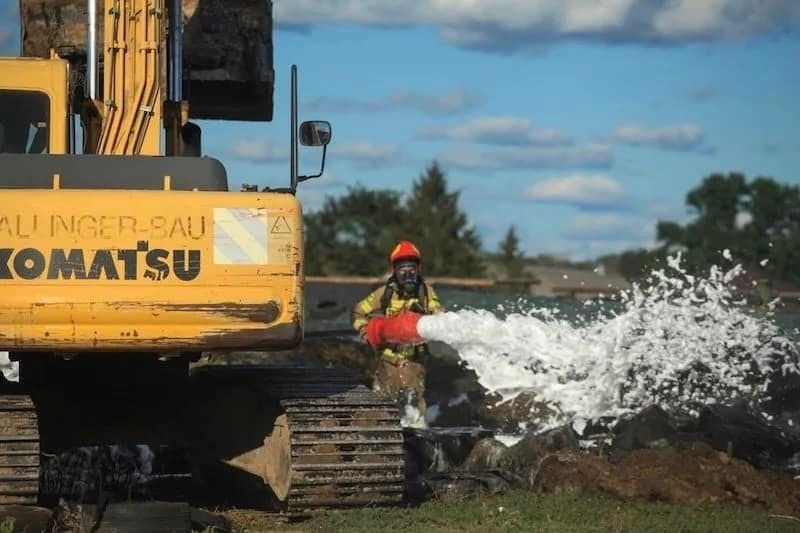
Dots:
{"x": 406, "y": 273}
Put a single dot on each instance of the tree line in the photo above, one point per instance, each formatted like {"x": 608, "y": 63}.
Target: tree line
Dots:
{"x": 354, "y": 233}
{"x": 757, "y": 221}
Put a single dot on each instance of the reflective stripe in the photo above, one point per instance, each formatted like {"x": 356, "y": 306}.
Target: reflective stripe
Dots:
{"x": 240, "y": 236}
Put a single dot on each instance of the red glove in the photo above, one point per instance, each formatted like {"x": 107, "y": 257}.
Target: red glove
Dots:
{"x": 374, "y": 331}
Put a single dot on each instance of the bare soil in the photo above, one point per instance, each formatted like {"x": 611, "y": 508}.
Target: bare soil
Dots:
{"x": 692, "y": 474}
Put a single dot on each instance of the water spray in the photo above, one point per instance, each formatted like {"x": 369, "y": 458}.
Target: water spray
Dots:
{"x": 679, "y": 341}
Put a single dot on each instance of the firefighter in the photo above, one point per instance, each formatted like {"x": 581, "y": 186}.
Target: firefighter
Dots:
{"x": 401, "y": 368}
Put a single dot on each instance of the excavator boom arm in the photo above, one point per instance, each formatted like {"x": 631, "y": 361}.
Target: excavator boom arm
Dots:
{"x": 133, "y": 86}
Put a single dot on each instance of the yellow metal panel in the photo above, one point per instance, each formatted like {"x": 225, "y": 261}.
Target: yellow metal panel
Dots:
{"x": 50, "y": 76}
{"x": 105, "y": 270}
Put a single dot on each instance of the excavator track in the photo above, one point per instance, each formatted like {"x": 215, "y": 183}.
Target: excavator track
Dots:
{"x": 346, "y": 451}
{"x": 334, "y": 444}
{"x": 19, "y": 451}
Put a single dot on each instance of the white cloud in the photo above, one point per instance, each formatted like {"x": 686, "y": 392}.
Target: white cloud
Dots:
{"x": 709, "y": 18}
{"x": 365, "y": 152}
{"x": 443, "y": 103}
{"x": 587, "y": 156}
{"x": 522, "y": 24}
{"x": 589, "y": 191}
{"x": 610, "y": 227}
{"x": 682, "y": 137}
{"x": 498, "y": 130}
{"x": 261, "y": 150}
{"x": 258, "y": 150}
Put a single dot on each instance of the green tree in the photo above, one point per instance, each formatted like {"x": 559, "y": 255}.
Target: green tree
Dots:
{"x": 773, "y": 228}
{"x": 353, "y": 234}
{"x": 633, "y": 264}
{"x": 435, "y": 223}
{"x": 511, "y": 257}
{"x": 756, "y": 221}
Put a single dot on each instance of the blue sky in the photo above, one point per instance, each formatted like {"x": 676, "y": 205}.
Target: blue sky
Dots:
{"x": 580, "y": 122}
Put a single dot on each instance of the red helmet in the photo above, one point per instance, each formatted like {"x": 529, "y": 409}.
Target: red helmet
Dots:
{"x": 405, "y": 250}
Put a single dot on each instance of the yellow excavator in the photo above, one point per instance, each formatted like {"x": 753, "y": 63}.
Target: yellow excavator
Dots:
{"x": 124, "y": 257}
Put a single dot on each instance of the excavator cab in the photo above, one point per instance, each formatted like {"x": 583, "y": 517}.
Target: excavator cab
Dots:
{"x": 24, "y": 123}
{"x": 33, "y": 106}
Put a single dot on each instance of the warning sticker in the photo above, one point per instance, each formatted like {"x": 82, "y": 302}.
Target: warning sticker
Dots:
{"x": 280, "y": 226}
{"x": 240, "y": 236}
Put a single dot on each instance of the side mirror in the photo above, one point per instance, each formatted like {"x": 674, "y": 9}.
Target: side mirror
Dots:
{"x": 315, "y": 133}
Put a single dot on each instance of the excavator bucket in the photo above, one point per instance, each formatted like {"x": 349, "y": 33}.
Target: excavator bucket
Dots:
{"x": 226, "y": 51}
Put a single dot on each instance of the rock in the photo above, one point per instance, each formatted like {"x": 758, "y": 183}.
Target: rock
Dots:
{"x": 465, "y": 484}
{"x": 440, "y": 449}
{"x": 784, "y": 402}
{"x": 788, "y": 422}
{"x": 453, "y": 389}
{"x": 651, "y": 428}
{"x": 526, "y": 456}
{"x": 783, "y": 391}
{"x": 734, "y": 429}
{"x": 458, "y": 442}
{"x": 424, "y": 453}
{"x": 750, "y": 437}
{"x": 687, "y": 473}
{"x": 487, "y": 454}
{"x": 434, "y": 451}
{"x": 534, "y": 447}
{"x": 453, "y": 411}
{"x": 509, "y": 417}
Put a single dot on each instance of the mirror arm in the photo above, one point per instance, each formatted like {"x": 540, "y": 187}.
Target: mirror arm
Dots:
{"x": 293, "y": 156}
{"x": 321, "y": 170}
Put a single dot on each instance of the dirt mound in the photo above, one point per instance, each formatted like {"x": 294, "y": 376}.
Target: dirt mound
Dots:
{"x": 687, "y": 473}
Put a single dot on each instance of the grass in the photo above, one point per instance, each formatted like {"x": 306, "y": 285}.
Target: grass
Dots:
{"x": 525, "y": 511}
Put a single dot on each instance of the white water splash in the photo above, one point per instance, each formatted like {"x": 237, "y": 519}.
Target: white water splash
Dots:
{"x": 8, "y": 368}
{"x": 507, "y": 440}
{"x": 412, "y": 417}
{"x": 680, "y": 342}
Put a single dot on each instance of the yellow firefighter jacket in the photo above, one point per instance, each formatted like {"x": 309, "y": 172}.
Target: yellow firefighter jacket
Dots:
{"x": 387, "y": 301}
